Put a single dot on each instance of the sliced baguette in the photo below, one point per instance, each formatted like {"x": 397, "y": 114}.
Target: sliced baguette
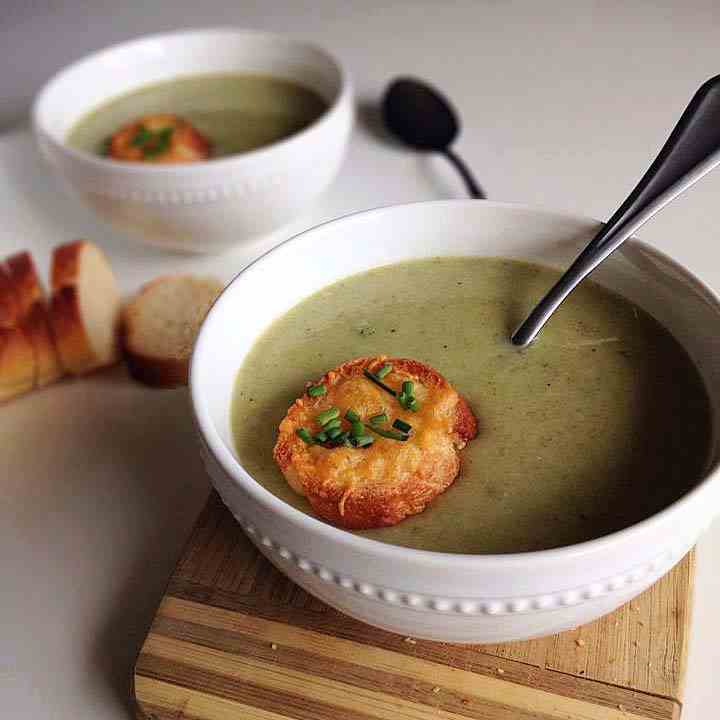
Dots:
{"x": 17, "y": 360}
{"x": 34, "y": 317}
{"x": 84, "y": 307}
{"x": 160, "y": 325}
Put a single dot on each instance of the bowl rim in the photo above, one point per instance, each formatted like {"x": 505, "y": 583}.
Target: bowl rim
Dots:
{"x": 237, "y": 473}
{"x": 187, "y": 169}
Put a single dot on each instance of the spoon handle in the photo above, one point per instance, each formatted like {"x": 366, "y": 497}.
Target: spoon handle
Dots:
{"x": 474, "y": 190}
{"x": 691, "y": 151}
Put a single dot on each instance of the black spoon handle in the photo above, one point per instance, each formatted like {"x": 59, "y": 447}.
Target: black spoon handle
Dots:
{"x": 474, "y": 190}
{"x": 691, "y": 151}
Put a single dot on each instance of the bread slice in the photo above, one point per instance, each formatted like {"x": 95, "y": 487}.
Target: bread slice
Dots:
{"x": 17, "y": 360}
{"x": 34, "y": 317}
{"x": 84, "y": 307}
{"x": 160, "y": 325}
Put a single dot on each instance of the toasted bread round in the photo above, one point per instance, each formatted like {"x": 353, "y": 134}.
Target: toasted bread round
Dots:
{"x": 84, "y": 307}
{"x": 34, "y": 317}
{"x": 160, "y": 324}
{"x": 161, "y": 138}
{"x": 379, "y": 485}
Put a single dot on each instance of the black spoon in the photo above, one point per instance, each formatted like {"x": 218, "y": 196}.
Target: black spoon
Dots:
{"x": 423, "y": 119}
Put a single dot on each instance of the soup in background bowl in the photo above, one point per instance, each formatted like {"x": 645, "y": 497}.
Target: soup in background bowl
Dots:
{"x": 487, "y": 587}
{"x": 235, "y": 112}
{"x": 206, "y": 206}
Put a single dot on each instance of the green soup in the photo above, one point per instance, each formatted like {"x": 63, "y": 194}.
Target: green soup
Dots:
{"x": 236, "y": 112}
{"x": 599, "y": 424}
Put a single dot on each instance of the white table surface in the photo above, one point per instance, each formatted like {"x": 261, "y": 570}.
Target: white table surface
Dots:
{"x": 564, "y": 104}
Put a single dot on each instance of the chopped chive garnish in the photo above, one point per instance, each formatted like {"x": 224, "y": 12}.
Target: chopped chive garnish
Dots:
{"x": 320, "y": 437}
{"x": 408, "y": 388}
{"x": 363, "y": 440}
{"x": 379, "y": 419}
{"x": 402, "y": 425}
{"x": 334, "y": 433}
{"x": 384, "y": 370}
{"x": 317, "y": 390}
{"x": 332, "y": 424}
{"x": 327, "y": 415}
{"x": 352, "y": 416}
{"x": 379, "y": 382}
{"x": 159, "y": 142}
{"x": 142, "y": 136}
{"x": 358, "y": 429}
{"x": 391, "y": 434}
{"x": 403, "y": 399}
{"x": 303, "y": 434}
{"x": 413, "y": 405}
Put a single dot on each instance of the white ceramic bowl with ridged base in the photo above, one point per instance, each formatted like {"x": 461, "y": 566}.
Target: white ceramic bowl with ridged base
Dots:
{"x": 458, "y": 598}
{"x": 203, "y": 207}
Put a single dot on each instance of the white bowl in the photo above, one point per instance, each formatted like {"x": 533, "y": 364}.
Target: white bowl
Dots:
{"x": 209, "y": 206}
{"x": 458, "y": 598}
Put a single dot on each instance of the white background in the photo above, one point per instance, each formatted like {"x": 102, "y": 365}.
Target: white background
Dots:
{"x": 564, "y": 105}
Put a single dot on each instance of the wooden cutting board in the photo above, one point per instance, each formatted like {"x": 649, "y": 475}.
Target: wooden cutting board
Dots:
{"x": 234, "y": 639}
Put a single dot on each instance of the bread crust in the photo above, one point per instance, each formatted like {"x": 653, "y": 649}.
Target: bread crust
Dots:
{"x": 24, "y": 278}
{"x": 72, "y": 342}
{"x": 76, "y": 352}
{"x": 65, "y": 267}
{"x": 412, "y": 473}
{"x": 34, "y": 317}
{"x": 17, "y": 363}
{"x": 157, "y": 372}
{"x": 9, "y": 306}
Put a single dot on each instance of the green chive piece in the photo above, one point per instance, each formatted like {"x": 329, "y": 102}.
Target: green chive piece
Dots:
{"x": 352, "y": 416}
{"x": 327, "y": 415}
{"x": 332, "y": 424}
{"x": 317, "y": 391}
{"x": 384, "y": 370}
{"x": 378, "y": 419}
{"x": 390, "y": 434}
{"x": 403, "y": 399}
{"x": 408, "y": 388}
{"x": 320, "y": 437}
{"x": 413, "y": 405}
{"x": 159, "y": 143}
{"x": 402, "y": 425}
{"x": 358, "y": 429}
{"x": 142, "y": 136}
{"x": 334, "y": 433}
{"x": 364, "y": 441}
{"x": 379, "y": 382}
{"x": 303, "y": 434}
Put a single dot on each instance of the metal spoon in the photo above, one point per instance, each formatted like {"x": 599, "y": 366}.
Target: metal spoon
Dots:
{"x": 691, "y": 151}
{"x": 422, "y": 118}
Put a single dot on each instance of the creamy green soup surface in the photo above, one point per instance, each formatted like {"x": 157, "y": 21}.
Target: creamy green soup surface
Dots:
{"x": 599, "y": 424}
{"x": 236, "y": 112}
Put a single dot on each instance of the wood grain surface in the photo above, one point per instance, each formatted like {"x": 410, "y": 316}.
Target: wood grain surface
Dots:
{"x": 234, "y": 639}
